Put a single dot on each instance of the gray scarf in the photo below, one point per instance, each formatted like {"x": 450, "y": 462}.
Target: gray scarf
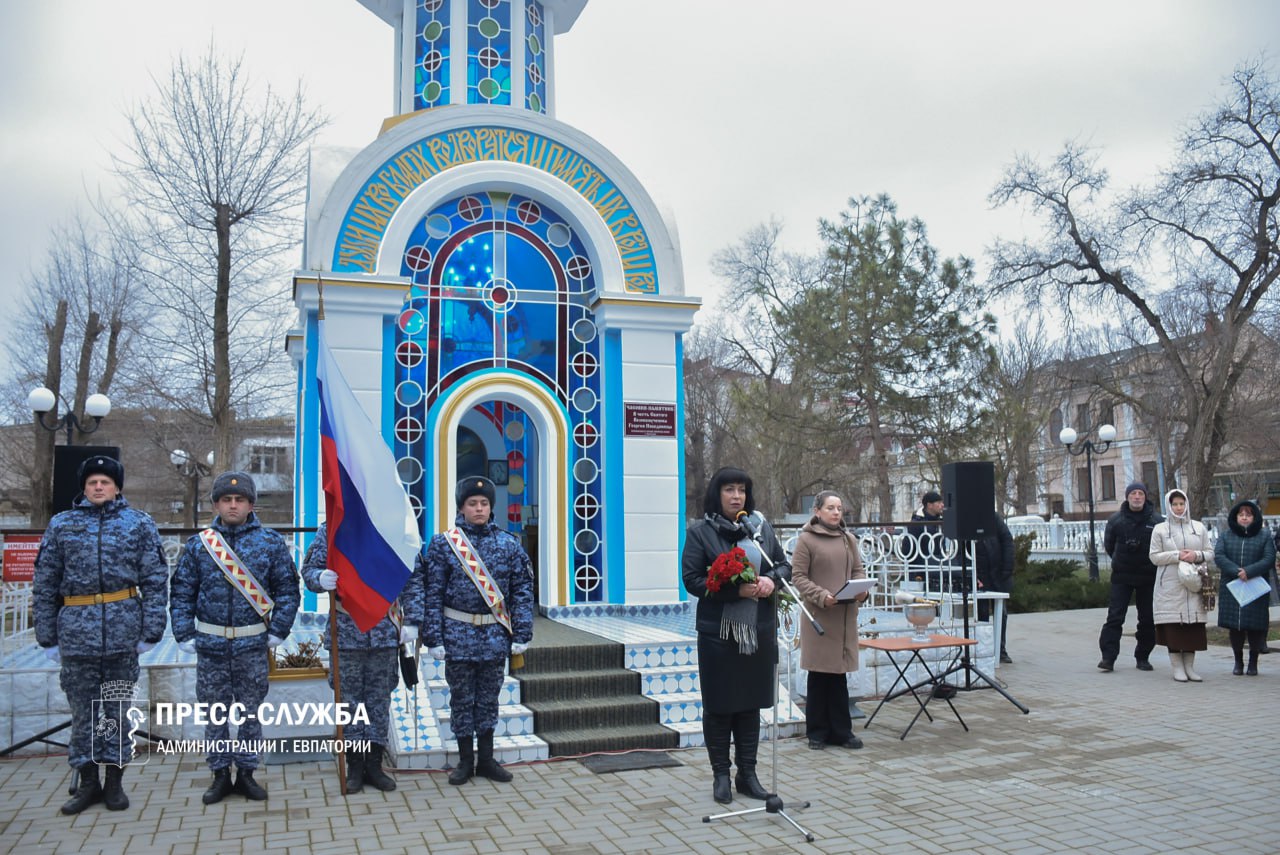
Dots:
{"x": 738, "y": 620}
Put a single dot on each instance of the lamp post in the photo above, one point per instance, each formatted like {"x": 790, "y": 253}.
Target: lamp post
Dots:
{"x": 42, "y": 400}
{"x": 192, "y": 469}
{"x": 1087, "y": 447}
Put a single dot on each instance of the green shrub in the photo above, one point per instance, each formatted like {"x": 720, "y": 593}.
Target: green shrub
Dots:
{"x": 1057, "y": 585}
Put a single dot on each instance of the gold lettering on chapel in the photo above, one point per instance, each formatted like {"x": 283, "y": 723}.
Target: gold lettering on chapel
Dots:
{"x": 363, "y": 230}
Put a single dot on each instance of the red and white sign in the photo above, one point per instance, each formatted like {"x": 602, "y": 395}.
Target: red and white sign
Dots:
{"x": 20, "y": 557}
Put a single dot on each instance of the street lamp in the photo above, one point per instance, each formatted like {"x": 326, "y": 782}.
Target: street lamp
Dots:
{"x": 192, "y": 469}
{"x": 1087, "y": 447}
{"x": 42, "y": 400}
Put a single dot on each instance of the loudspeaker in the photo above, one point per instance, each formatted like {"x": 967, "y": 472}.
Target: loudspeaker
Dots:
{"x": 969, "y": 494}
{"x": 66, "y": 463}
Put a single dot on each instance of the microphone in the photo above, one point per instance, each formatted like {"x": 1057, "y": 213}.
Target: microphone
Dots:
{"x": 745, "y": 520}
{"x": 906, "y": 598}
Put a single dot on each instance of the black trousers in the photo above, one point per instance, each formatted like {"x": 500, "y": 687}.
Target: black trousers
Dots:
{"x": 826, "y": 712}
{"x": 1113, "y": 629}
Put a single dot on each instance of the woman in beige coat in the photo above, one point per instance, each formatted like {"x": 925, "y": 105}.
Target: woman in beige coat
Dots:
{"x": 1179, "y": 613}
{"x": 825, "y": 557}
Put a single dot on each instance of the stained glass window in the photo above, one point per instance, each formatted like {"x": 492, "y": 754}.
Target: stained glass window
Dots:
{"x": 502, "y": 281}
{"x": 535, "y": 58}
{"x": 431, "y": 54}
{"x": 489, "y": 52}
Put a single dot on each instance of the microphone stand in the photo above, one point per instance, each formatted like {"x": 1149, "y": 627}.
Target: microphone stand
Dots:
{"x": 774, "y": 804}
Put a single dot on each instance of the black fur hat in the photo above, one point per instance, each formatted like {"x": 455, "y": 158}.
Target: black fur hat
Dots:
{"x": 100, "y": 464}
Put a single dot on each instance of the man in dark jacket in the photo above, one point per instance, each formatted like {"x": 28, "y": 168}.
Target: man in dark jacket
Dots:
{"x": 993, "y": 556}
{"x": 230, "y": 626}
{"x": 99, "y": 597}
{"x": 1133, "y": 577}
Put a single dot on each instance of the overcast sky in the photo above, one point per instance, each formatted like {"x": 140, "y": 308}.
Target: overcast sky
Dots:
{"x": 731, "y": 112}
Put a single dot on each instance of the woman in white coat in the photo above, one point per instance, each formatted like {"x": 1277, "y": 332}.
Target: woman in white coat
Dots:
{"x": 1179, "y": 613}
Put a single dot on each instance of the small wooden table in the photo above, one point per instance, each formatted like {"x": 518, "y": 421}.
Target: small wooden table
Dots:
{"x": 904, "y": 644}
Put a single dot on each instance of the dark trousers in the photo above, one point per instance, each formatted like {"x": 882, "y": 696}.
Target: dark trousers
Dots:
{"x": 826, "y": 712}
{"x": 1113, "y": 629}
{"x": 1257, "y": 637}
{"x": 99, "y": 731}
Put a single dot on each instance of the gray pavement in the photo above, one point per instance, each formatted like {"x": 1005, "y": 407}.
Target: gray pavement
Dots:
{"x": 1126, "y": 762}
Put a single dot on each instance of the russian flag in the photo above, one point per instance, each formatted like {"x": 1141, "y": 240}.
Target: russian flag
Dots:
{"x": 373, "y": 535}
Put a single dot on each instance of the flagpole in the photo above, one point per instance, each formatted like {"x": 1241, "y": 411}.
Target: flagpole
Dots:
{"x": 337, "y": 688}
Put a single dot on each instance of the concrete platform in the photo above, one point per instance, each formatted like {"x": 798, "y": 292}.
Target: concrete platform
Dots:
{"x": 1126, "y": 762}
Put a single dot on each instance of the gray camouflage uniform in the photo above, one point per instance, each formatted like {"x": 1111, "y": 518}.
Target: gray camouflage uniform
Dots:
{"x": 233, "y": 669}
{"x": 99, "y": 549}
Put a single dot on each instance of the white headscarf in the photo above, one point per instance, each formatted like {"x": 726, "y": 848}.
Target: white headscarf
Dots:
{"x": 1185, "y": 516}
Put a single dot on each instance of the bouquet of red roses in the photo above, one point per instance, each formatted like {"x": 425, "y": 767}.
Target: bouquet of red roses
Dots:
{"x": 730, "y": 567}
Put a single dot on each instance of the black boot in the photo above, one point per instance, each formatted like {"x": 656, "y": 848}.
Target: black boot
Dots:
{"x": 355, "y": 772}
{"x": 113, "y": 792}
{"x": 249, "y": 788}
{"x": 373, "y": 774}
{"x": 220, "y": 788}
{"x": 88, "y": 790}
{"x": 466, "y": 762}
{"x": 717, "y": 731}
{"x": 746, "y": 739}
{"x": 486, "y": 766}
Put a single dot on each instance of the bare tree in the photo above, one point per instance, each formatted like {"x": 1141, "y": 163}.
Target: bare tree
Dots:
{"x": 1204, "y": 237}
{"x": 218, "y": 171}
{"x": 72, "y": 335}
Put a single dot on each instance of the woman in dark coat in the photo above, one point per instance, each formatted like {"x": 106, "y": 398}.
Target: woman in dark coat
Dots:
{"x": 737, "y": 628}
{"x": 1244, "y": 551}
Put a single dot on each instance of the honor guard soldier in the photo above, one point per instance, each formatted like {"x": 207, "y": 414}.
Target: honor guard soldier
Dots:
{"x": 234, "y": 596}
{"x": 99, "y": 600}
{"x": 368, "y": 665}
{"x": 479, "y": 611}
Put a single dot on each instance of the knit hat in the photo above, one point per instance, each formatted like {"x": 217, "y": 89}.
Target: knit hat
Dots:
{"x": 101, "y": 465}
{"x": 1136, "y": 485}
{"x": 475, "y": 485}
{"x": 234, "y": 484}
{"x": 930, "y": 497}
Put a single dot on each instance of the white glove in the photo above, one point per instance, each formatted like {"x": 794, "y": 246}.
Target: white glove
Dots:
{"x": 518, "y": 648}
{"x": 144, "y": 646}
{"x": 437, "y": 652}
{"x": 52, "y": 653}
{"x": 188, "y": 646}
{"x": 273, "y": 642}
{"x": 328, "y": 580}
{"x": 408, "y": 634}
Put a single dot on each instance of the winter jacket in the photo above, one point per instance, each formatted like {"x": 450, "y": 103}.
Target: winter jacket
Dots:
{"x": 823, "y": 560}
{"x": 1253, "y": 551}
{"x": 1171, "y": 602}
{"x": 200, "y": 591}
{"x": 100, "y": 549}
{"x": 1127, "y": 540}
{"x": 383, "y": 634}
{"x": 706, "y": 540}
{"x": 448, "y": 586}
{"x": 993, "y": 557}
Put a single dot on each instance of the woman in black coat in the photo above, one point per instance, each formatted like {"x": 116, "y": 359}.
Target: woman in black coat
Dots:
{"x": 737, "y": 628}
{"x": 1244, "y": 551}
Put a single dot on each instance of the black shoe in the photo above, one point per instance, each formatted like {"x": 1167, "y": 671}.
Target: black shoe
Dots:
{"x": 1252, "y": 670}
{"x": 1107, "y": 665}
{"x": 220, "y": 788}
{"x": 1005, "y": 658}
{"x": 373, "y": 774}
{"x": 1264, "y": 648}
{"x": 486, "y": 765}
{"x": 852, "y": 742}
{"x": 749, "y": 785}
{"x": 249, "y": 788}
{"x": 466, "y": 762}
{"x": 355, "y": 772}
{"x": 720, "y": 790}
{"x": 113, "y": 793}
{"x": 1239, "y": 669}
{"x": 88, "y": 791}
{"x": 817, "y": 745}
{"x": 1142, "y": 665}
